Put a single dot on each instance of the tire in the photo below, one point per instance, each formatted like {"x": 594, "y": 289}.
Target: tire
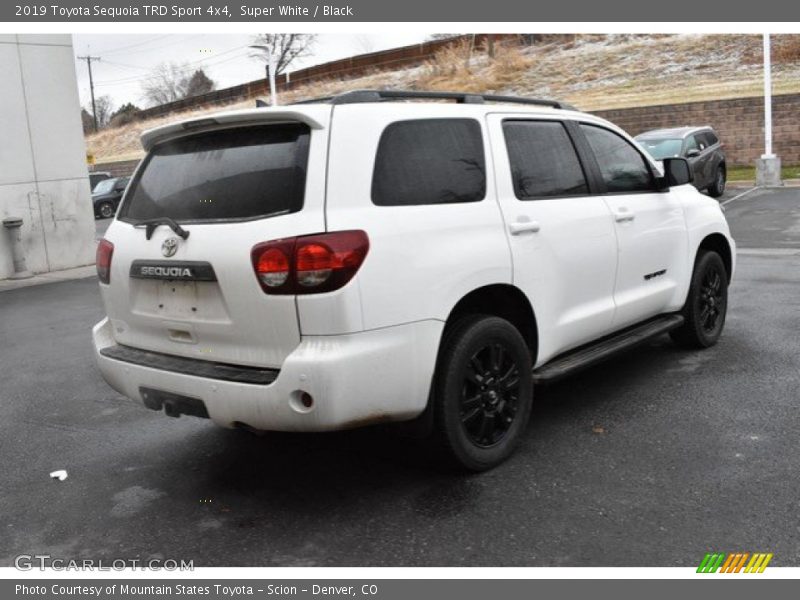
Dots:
{"x": 717, "y": 188}
{"x": 106, "y": 210}
{"x": 482, "y": 393}
{"x": 706, "y": 304}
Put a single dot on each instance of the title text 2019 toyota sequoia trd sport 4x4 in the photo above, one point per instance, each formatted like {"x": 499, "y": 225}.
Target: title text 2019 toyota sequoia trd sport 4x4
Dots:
{"x": 362, "y": 259}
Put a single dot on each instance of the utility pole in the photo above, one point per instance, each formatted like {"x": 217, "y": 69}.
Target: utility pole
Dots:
{"x": 767, "y": 97}
{"x": 270, "y": 67}
{"x": 768, "y": 167}
{"x": 89, "y": 60}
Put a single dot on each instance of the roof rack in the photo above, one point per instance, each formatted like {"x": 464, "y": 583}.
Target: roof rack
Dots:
{"x": 365, "y": 96}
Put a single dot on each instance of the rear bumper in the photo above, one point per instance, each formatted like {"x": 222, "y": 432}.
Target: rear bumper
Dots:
{"x": 355, "y": 379}
{"x": 190, "y": 366}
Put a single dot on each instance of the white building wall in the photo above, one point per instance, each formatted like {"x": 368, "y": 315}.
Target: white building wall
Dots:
{"x": 43, "y": 173}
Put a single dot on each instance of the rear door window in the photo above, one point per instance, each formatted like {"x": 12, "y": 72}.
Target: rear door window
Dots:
{"x": 543, "y": 160}
{"x": 232, "y": 174}
{"x": 622, "y": 167}
{"x": 692, "y": 143}
{"x": 709, "y": 138}
{"x": 429, "y": 161}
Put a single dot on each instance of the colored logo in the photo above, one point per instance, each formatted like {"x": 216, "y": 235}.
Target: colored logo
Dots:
{"x": 735, "y": 562}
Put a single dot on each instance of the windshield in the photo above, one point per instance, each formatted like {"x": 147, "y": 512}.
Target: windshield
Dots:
{"x": 241, "y": 173}
{"x": 661, "y": 148}
{"x": 104, "y": 186}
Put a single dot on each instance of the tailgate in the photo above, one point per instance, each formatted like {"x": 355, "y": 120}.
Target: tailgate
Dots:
{"x": 230, "y": 189}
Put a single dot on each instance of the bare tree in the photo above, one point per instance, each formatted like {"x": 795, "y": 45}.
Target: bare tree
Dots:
{"x": 104, "y": 107}
{"x": 166, "y": 83}
{"x": 285, "y": 47}
{"x": 169, "y": 82}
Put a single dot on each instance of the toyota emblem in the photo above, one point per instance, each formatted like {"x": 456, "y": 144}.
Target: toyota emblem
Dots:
{"x": 169, "y": 247}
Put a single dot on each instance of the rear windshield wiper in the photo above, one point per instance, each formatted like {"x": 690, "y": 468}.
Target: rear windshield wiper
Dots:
{"x": 150, "y": 226}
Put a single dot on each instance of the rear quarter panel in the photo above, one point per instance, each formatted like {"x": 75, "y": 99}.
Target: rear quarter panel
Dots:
{"x": 422, "y": 259}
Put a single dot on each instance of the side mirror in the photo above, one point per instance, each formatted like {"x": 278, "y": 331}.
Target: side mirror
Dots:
{"x": 692, "y": 153}
{"x": 677, "y": 172}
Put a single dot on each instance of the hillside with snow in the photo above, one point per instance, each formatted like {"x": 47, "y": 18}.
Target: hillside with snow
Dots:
{"x": 592, "y": 72}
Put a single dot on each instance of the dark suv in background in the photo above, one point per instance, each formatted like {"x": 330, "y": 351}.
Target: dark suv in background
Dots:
{"x": 106, "y": 196}
{"x": 699, "y": 145}
{"x": 96, "y": 177}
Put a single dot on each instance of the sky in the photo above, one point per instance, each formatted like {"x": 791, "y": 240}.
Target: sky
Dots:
{"x": 127, "y": 60}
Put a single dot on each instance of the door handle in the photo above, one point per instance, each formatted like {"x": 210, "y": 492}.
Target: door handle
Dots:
{"x": 523, "y": 226}
{"x": 623, "y": 216}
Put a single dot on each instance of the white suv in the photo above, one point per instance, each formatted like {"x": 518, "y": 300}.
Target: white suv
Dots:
{"x": 363, "y": 259}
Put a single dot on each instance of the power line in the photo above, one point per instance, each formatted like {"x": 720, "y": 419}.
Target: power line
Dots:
{"x": 184, "y": 68}
{"x": 132, "y": 80}
{"x": 89, "y": 60}
{"x": 180, "y": 40}
{"x": 127, "y": 66}
{"x": 137, "y": 44}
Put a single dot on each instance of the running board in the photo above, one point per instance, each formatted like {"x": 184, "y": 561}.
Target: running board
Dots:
{"x": 596, "y": 352}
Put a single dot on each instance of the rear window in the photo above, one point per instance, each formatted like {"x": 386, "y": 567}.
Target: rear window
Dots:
{"x": 233, "y": 174}
{"x": 429, "y": 161}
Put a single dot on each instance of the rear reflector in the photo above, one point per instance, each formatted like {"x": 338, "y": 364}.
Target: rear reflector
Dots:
{"x": 310, "y": 264}
{"x": 105, "y": 250}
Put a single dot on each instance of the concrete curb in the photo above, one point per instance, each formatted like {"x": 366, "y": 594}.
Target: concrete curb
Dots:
{"x": 52, "y": 277}
{"x": 767, "y": 251}
{"x": 742, "y": 183}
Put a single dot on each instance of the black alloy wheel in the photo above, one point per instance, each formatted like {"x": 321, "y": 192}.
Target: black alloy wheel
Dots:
{"x": 490, "y": 394}
{"x": 482, "y": 392}
{"x": 712, "y": 300}
{"x": 706, "y": 305}
{"x": 717, "y": 188}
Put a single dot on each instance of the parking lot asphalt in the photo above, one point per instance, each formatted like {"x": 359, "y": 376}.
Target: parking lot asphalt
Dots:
{"x": 765, "y": 218}
{"x": 651, "y": 459}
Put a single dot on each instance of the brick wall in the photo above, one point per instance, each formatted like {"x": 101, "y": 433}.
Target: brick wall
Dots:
{"x": 739, "y": 122}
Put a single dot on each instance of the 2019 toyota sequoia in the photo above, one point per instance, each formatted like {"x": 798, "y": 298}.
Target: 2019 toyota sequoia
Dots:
{"x": 398, "y": 256}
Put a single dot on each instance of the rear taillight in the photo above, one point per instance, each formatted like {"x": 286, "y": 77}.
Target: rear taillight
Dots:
{"x": 272, "y": 262}
{"x": 105, "y": 250}
{"x": 310, "y": 264}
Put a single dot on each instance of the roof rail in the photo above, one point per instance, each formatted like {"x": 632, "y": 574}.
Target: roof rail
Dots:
{"x": 364, "y": 96}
